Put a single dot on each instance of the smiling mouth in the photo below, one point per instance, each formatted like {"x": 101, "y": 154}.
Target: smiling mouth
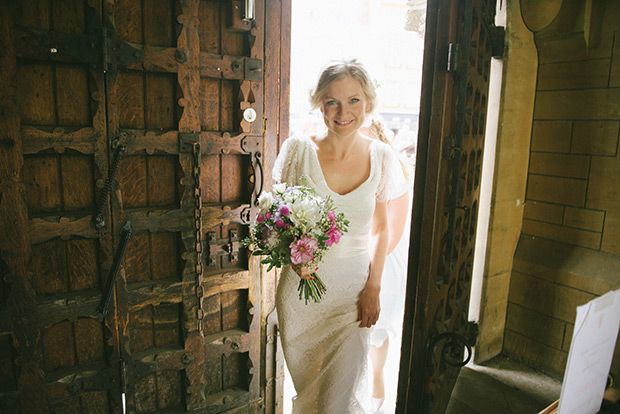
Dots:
{"x": 343, "y": 123}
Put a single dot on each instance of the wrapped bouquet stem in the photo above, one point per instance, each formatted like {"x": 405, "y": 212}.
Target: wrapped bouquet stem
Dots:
{"x": 296, "y": 227}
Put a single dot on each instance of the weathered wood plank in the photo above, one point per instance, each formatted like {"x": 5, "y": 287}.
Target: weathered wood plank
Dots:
{"x": 58, "y": 346}
{"x": 44, "y": 229}
{"x": 58, "y": 138}
{"x": 36, "y": 94}
{"x": 154, "y": 295}
{"x": 42, "y": 181}
{"x": 234, "y": 309}
{"x": 154, "y": 220}
{"x": 162, "y": 181}
{"x": 160, "y": 102}
{"x": 129, "y": 91}
{"x": 213, "y": 142}
{"x": 83, "y": 265}
{"x": 235, "y": 169}
{"x": 49, "y": 268}
{"x": 225, "y": 282}
{"x": 77, "y": 182}
{"x": 72, "y": 95}
{"x": 138, "y": 258}
{"x": 166, "y": 258}
{"x": 166, "y": 325}
{"x": 69, "y": 308}
{"x": 227, "y": 342}
{"x": 132, "y": 179}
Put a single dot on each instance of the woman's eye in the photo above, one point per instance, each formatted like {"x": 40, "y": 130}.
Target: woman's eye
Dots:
{"x": 355, "y": 100}
{"x": 330, "y": 103}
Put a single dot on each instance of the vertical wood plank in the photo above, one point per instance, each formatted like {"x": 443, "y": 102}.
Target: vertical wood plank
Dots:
{"x": 146, "y": 394}
{"x": 137, "y": 264}
{"x": 159, "y": 110}
{"x": 36, "y": 96}
{"x": 140, "y": 328}
{"x": 133, "y": 183}
{"x": 77, "y": 183}
{"x": 68, "y": 16}
{"x": 166, "y": 325}
{"x": 49, "y": 267}
{"x": 26, "y": 17}
{"x": 209, "y": 28}
{"x": 58, "y": 348}
{"x": 227, "y": 106}
{"x": 234, "y": 175}
{"x": 213, "y": 376}
{"x": 88, "y": 341}
{"x": 162, "y": 181}
{"x": 235, "y": 369}
{"x": 231, "y": 42}
{"x": 95, "y": 402}
{"x": 209, "y": 104}
{"x": 129, "y": 92}
{"x": 169, "y": 389}
{"x": 128, "y": 20}
{"x": 158, "y": 23}
{"x": 41, "y": 178}
{"x": 72, "y": 95}
{"x": 164, "y": 260}
{"x": 212, "y": 307}
{"x": 234, "y": 309}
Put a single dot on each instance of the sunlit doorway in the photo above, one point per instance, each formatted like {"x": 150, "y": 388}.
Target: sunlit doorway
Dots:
{"x": 387, "y": 36}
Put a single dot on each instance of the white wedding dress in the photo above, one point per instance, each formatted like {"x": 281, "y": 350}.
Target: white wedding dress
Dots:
{"x": 325, "y": 349}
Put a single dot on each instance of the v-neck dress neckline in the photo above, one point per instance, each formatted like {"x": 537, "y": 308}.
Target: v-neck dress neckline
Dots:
{"x": 321, "y": 175}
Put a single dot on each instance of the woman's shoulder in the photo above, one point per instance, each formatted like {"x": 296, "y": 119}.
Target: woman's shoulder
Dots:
{"x": 383, "y": 149}
{"x": 298, "y": 141}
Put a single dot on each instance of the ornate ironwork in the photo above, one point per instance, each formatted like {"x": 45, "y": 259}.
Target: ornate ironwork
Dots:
{"x": 98, "y": 218}
{"x": 196, "y": 149}
{"x": 102, "y": 309}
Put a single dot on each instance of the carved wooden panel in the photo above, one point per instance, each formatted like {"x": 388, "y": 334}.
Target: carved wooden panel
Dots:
{"x": 127, "y": 149}
{"x": 438, "y": 336}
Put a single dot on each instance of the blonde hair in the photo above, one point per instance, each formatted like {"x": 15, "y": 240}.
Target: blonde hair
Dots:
{"x": 338, "y": 70}
{"x": 377, "y": 130}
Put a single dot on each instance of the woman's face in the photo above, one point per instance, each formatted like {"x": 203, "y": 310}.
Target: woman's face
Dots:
{"x": 344, "y": 107}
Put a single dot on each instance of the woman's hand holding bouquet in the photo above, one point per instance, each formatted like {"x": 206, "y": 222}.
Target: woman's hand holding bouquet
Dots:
{"x": 294, "y": 226}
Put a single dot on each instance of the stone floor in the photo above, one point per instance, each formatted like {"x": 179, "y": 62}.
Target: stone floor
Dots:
{"x": 502, "y": 386}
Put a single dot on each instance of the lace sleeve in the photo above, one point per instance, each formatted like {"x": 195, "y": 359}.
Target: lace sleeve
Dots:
{"x": 398, "y": 182}
{"x": 392, "y": 182}
{"x": 284, "y": 169}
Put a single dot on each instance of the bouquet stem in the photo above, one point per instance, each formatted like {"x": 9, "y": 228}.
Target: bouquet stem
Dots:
{"x": 312, "y": 289}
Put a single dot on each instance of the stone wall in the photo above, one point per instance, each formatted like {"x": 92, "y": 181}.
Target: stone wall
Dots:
{"x": 569, "y": 251}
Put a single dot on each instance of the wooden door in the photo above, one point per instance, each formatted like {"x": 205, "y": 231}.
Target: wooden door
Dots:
{"x": 437, "y": 338}
{"x": 131, "y": 166}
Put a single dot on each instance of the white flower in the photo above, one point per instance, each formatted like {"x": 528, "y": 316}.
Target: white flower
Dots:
{"x": 305, "y": 212}
{"x": 265, "y": 200}
{"x": 279, "y": 188}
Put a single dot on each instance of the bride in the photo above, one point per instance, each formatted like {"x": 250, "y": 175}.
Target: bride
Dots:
{"x": 326, "y": 344}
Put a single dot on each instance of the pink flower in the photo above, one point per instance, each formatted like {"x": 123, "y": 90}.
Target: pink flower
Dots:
{"x": 284, "y": 211}
{"x": 260, "y": 218}
{"x": 332, "y": 216}
{"x": 334, "y": 236}
{"x": 279, "y": 223}
{"x": 302, "y": 250}
{"x": 268, "y": 214}
{"x": 287, "y": 226}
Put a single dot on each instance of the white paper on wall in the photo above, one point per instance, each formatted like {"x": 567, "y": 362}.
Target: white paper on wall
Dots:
{"x": 590, "y": 355}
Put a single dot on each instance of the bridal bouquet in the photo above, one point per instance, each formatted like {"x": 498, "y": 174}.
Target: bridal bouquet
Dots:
{"x": 295, "y": 226}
